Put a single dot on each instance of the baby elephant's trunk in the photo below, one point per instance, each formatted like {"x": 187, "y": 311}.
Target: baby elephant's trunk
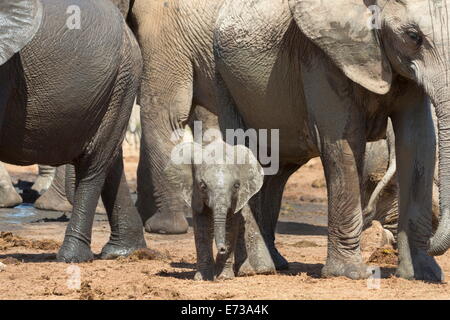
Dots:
{"x": 220, "y": 225}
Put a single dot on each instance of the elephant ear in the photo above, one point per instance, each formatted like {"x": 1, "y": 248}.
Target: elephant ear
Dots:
{"x": 19, "y": 22}
{"x": 179, "y": 169}
{"x": 341, "y": 28}
{"x": 251, "y": 175}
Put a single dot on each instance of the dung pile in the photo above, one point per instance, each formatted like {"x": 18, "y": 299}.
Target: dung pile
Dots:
{"x": 8, "y": 240}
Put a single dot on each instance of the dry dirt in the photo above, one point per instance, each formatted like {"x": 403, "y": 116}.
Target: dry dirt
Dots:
{"x": 32, "y": 273}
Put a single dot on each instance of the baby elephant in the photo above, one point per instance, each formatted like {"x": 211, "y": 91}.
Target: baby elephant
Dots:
{"x": 217, "y": 180}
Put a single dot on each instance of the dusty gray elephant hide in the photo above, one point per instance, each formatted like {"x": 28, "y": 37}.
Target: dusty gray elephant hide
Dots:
{"x": 66, "y": 95}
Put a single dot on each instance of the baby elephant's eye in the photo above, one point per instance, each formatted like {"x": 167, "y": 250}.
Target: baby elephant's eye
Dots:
{"x": 237, "y": 185}
{"x": 414, "y": 36}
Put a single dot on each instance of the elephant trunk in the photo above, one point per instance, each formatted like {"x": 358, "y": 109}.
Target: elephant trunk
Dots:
{"x": 220, "y": 232}
{"x": 440, "y": 241}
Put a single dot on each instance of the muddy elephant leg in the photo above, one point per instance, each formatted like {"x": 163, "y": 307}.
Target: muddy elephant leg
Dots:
{"x": 8, "y": 195}
{"x": 415, "y": 149}
{"x": 77, "y": 241}
{"x": 203, "y": 234}
{"x": 267, "y": 210}
{"x": 252, "y": 255}
{"x": 93, "y": 166}
{"x": 55, "y": 197}
{"x": 164, "y": 110}
{"x": 44, "y": 179}
{"x": 126, "y": 224}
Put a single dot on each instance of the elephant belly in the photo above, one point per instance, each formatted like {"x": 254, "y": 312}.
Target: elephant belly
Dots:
{"x": 42, "y": 140}
{"x": 263, "y": 78}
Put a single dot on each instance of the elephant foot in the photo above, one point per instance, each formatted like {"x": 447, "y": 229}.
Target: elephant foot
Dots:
{"x": 205, "y": 274}
{"x": 339, "y": 268}
{"x": 74, "y": 250}
{"x": 42, "y": 184}
{"x": 423, "y": 267}
{"x": 167, "y": 223}
{"x": 226, "y": 274}
{"x": 278, "y": 260}
{"x": 113, "y": 249}
{"x": 52, "y": 201}
{"x": 247, "y": 269}
{"x": 9, "y": 198}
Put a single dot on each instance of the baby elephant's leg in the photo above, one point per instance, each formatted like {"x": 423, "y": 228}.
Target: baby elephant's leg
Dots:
{"x": 203, "y": 233}
{"x": 252, "y": 255}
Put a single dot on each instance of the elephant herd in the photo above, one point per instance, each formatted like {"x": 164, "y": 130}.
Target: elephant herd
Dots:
{"x": 316, "y": 75}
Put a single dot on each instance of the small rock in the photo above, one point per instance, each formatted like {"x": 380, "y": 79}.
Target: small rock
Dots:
{"x": 2, "y": 267}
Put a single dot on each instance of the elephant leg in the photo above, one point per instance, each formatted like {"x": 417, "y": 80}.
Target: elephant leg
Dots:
{"x": 163, "y": 112}
{"x": 92, "y": 167}
{"x": 55, "y": 197}
{"x": 341, "y": 159}
{"x": 267, "y": 210}
{"x": 252, "y": 255}
{"x": 59, "y": 197}
{"x": 44, "y": 179}
{"x": 8, "y": 195}
{"x": 342, "y": 147}
{"x": 126, "y": 224}
{"x": 77, "y": 241}
{"x": 415, "y": 149}
{"x": 203, "y": 234}
{"x": 70, "y": 182}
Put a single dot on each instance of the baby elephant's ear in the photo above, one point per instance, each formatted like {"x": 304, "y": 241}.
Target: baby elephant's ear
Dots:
{"x": 19, "y": 22}
{"x": 179, "y": 169}
{"x": 251, "y": 175}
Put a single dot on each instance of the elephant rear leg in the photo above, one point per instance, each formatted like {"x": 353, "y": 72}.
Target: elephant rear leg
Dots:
{"x": 267, "y": 210}
{"x": 126, "y": 224}
{"x": 100, "y": 158}
{"x": 164, "y": 110}
{"x": 77, "y": 240}
{"x": 44, "y": 179}
{"x": 55, "y": 197}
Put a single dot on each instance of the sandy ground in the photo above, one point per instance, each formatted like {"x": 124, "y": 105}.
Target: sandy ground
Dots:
{"x": 32, "y": 273}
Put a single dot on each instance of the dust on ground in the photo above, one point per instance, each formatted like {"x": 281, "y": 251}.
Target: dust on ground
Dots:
{"x": 167, "y": 270}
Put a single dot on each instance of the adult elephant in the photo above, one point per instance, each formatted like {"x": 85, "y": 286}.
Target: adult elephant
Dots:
{"x": 176, "y": 40}
{"x": 319, "y": 73}
{"x": 67, "y": 92}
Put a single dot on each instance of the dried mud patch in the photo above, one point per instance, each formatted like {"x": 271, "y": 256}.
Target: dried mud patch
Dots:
{"x": 9, "y": 240}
